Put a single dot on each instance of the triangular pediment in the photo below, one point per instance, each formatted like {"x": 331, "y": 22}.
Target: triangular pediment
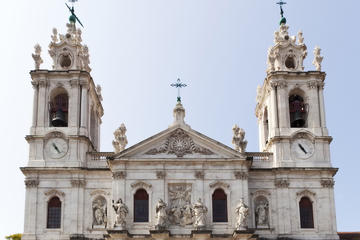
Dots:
{"x": 179, "y": 142}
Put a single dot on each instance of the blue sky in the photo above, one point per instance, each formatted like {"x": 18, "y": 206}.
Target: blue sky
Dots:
{"x": 218, "y": 47}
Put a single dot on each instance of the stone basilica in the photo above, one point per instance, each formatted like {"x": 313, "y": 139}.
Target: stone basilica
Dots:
{"x": 179, "y": 183}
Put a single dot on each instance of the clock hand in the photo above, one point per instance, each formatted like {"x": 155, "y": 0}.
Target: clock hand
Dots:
{"x": 56, "y": 148}
{"x": 302, "y": 148}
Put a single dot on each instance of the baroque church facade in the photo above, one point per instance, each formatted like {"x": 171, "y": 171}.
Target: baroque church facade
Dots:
{"x": 179, "y": 183}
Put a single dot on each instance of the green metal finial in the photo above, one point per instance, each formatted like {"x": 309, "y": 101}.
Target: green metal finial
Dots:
{"x": 73, "y": 18}
{"x": 283, "y": 19}
{"x": 178, "y": 85}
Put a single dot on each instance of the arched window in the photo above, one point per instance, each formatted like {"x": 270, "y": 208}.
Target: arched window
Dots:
{"x": 59, "y": 106}
{"x": 306, "y": 213}
{"x": 54, "y": 213}
{"x": 298, "y": 111}
{"x": 141, "y": 206}
{"x": 219, "y": 206}
{"x": 266, "y": 125}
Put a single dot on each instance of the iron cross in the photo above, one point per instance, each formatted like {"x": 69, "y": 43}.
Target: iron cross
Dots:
{"x": 178, "y": 85}
{"x": 281, "y": 3}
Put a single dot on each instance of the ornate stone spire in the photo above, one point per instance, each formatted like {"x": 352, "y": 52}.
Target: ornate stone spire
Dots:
{"x": 286, "y": 54}
{"x": 67, "y": 50}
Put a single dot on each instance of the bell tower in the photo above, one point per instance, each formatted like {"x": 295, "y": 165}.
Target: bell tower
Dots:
{"x": 67, "y": 107}
{"x": 290, "y": 105}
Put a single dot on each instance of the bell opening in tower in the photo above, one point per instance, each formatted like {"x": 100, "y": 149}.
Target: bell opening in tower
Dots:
{"x": 59, "y": 110}
{"x": 298, "y": 111}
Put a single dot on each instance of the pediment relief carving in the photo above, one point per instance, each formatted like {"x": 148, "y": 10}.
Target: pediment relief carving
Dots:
{"x": 260, "y": 193}
{"x": 180, "y": 144}
{"x": 54, "y": 192}
{"x": 99, "y": 192}
{"x": 141, "y": 184}
{"x": 306, "y": 193}
{"x": 219, "y": 184}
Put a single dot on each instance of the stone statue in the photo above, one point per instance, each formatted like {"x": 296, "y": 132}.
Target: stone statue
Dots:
{"x": 85, "y": 60}
{"x": 261, "y": 213}
{"x": 200, "y": 211}
{"x": 98, "y": 92}
{"x": 99, "y": 212}
{"x": 120, "y": 141}
{"x": 242, "y": 212}
{"x": 161, "y": 215}
{"x": 37, "y": 57}
{"x": 238, "y": 140}
{"x": 300, "y": 38}
{"x": 187, "y": 215}
{"x": 121, "y": 211}
{"x": 317, "y": 58}
{"x": 54, "y": 37}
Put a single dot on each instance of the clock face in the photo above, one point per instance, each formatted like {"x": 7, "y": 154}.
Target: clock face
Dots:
{"x": 302, "y": 148}
{"x": 56, "y": 148}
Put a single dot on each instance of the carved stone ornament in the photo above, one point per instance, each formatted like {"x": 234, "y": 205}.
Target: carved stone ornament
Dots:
{"x": 99, "y": 192}
{"x": 119, "y": 175}
{"x": 37, "y": 57}
{"x": 54, "y": 192}
{"x": 241, "y": 175}
{"x": 31, "y": 183}
{"x": 238, "y": 139}
{"x": 317, "y": 58}
{"x": 78, "y": 183}
{"x": 180, "y": 144}
{"x": 160, "y": 174}
{"x": 260, "y": 193}
{"x": 180, "y": 209}
{"x": 141, "y": 184}
{"x": 306, "y": 193}
{"x": 199, "y": 174}
{"x": 282, "y": 183}
{"x": 327, "y": 183}
{"x": 120, "y": 141}
{"x": 219, "y": 184}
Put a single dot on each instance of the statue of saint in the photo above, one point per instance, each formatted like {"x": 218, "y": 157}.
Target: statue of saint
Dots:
{"x": 242, "y": 212}
{"x": 200, "y": 211}
{"x": 261, "y": 213}
{"x": 99, "y": 212}
{"x": 161, "y": 215}
{"x": 121, "y": 211}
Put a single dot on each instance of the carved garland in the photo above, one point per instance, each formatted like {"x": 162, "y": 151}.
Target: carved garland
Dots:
{"x": 78, "y": 183}
{"x": 327, "y": 183}
{"x": 119, "y": 175}
{"x": 160, "y": 174}
{"x": 241, "y": 175}
{"x": 180, "y": 144}
{"x": 282, "y": 183}
{"x": 31, "y": 183}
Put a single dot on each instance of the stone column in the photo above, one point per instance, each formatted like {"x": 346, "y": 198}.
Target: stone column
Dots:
{"x": 35, "y": 103}
{"x": 314, "y": 110}
{"x": 283, "y": 103}
{"x": 84, "y": 104}
{"x": 77, "y": 205}
{"x": 74, "y": 103}
{"x": 43, "y": 109}
{"x": 274, "y": 110}
{"x": 31, "y": 206}
{"x": 119, "y": 186}
{"x": 322, "y": 108}
{"x": 283, "y": 206}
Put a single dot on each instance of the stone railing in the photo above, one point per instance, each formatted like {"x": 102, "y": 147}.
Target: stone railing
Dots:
{"x": 98, "y": 156}
{"x": 260, "y": 156}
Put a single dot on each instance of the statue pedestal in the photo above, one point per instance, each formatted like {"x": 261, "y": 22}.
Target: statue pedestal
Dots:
{"x": 160, "y": 234}
{"x": 201, "y": 234}
{"x": 117, "y": 234}
{"x": 244, "y": 234}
